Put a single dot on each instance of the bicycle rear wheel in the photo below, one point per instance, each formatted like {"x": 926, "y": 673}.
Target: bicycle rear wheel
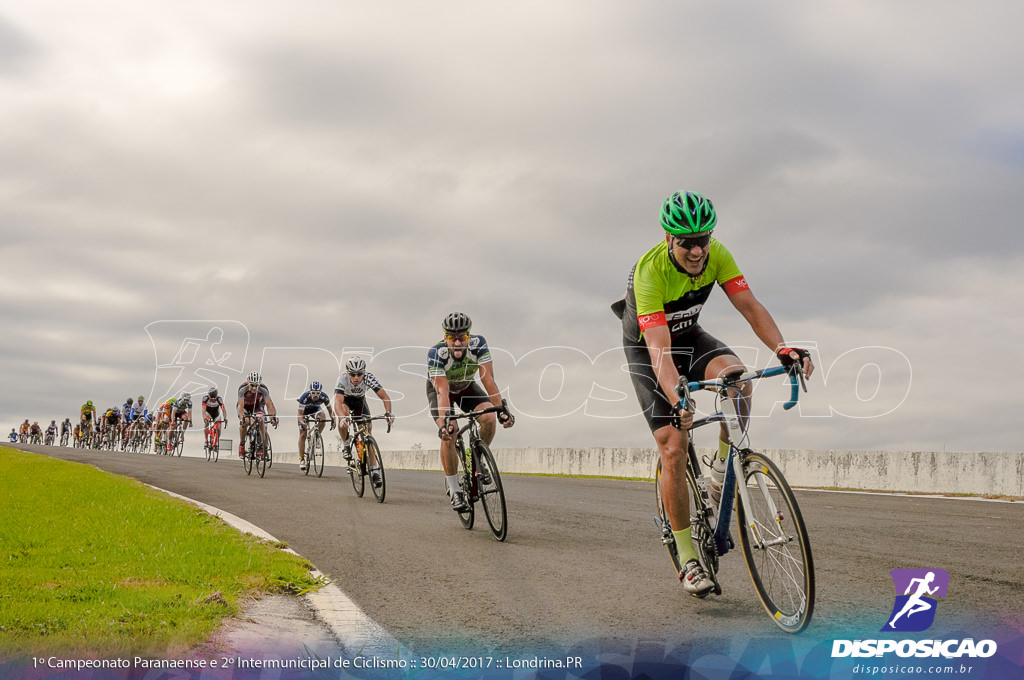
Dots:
{"x": 307, "y": 455}
{"x": 775, "y": 545}
{"x": 356, "y": 469}
{"x": 492, "y": 493}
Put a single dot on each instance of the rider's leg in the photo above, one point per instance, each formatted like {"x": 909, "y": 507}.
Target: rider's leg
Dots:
{"x": 487, "y": 424}
{"x": 675, "y": 494}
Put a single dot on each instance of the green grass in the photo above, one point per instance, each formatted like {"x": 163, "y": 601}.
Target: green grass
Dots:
{"x": 96, "y": 564}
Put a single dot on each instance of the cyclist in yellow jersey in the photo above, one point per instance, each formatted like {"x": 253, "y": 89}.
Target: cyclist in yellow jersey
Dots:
{"x": 88, "y": 416}
{"x": 665, "y": 293}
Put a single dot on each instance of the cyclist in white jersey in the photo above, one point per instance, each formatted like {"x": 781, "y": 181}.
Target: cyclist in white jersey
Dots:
{"x": 350, "y": 398}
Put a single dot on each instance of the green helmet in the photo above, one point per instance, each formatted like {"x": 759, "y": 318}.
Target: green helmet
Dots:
{"x": 687, "y": 213}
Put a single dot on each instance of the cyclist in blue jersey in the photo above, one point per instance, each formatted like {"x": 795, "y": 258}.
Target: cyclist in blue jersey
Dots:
{"x": 13, "y": 436}
{"x": 452, "y": 366}
{"x": 665, "y": 293}
{"x": 137, "y": 415}
{"x": 313, "y": 400}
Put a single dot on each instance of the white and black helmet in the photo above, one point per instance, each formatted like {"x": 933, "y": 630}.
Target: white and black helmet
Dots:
{"x": 456, "y": 322}
{"x": 254, "y": 378}
{"x": 355, "y": 365}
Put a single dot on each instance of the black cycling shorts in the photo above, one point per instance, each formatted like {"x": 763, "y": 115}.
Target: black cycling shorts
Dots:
{"x": 467, "y": 400}
{"x": 357, "y": 406}
{"x": 691, "y": 354}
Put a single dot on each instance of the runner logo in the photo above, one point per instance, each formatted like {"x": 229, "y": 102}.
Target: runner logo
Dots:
{"x": 915, "y": 605}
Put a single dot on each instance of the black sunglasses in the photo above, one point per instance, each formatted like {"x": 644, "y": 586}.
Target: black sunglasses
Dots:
{"x": 693, "y": 242}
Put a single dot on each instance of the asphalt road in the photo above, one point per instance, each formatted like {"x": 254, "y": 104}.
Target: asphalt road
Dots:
{"x": 583, "y": 566}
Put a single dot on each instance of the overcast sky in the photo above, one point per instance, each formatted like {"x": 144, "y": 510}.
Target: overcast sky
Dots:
{"x": 192, "y": 190}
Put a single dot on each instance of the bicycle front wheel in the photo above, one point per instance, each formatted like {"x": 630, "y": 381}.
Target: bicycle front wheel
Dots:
{"x": 356, "y": 468}
{"x": 248, "y": 456}
{"x": 318, "y": 456}
{"x": 775, "y": 545}
{"x": 380, "y": 488}
{"x": 492, "y": 493}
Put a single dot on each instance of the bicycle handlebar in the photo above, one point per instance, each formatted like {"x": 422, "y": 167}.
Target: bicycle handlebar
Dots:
{"x": 366, "y": 419}
{"x": 733, "y": 380}
{"x": 450, "y": 418}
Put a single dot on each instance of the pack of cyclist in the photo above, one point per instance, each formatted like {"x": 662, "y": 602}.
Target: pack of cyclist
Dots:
{"x": 665, "y": 292}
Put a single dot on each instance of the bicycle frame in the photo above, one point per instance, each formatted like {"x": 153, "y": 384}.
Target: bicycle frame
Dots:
{"x": 734, "y": 464}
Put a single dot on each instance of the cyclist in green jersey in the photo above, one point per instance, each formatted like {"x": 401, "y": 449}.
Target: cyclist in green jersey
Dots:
{"x": 665, "y": 293}
{"x": 452, "y": 366}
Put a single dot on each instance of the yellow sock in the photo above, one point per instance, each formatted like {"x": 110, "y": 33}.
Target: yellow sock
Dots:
{"x": 684, "y": 546}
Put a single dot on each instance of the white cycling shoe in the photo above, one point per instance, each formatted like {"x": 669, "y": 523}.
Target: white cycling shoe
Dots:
{"x": 695, "y": 580}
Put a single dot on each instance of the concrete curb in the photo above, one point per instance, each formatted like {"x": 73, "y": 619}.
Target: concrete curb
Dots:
{"x": 358, "y": 634}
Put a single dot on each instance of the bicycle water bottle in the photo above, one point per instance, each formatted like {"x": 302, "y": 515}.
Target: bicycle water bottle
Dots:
{"x": 469, "y": 457}
{"x": 359, "y": 448}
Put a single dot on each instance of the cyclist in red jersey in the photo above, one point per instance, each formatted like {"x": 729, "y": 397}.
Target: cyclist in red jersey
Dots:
{"x": 254, "y": 400}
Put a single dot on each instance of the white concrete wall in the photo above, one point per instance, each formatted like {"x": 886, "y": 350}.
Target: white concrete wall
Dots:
{"x": 916, "y": 471}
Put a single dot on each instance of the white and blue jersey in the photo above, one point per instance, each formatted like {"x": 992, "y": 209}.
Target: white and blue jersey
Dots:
{"x": 134, "y": 413}
{"x": 311, "y": 405}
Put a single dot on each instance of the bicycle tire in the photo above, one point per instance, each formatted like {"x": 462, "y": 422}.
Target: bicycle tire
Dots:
{"x": 318, "y": 455}
{"x": 216, "y": 448}
{"x": 178, "y": 443}
{"x": 379, "y": 492}
{"x": 492, "y": 496}
{"x": 307, "y": 455}
{"x": 468, "y": 516}
{"x": 775, "y": 544}
{"x": 262, "y": 461}
{"x": 357, "y": 468}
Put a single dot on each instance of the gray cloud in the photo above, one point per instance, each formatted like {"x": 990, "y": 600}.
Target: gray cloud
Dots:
{"x": 345, "y": 176}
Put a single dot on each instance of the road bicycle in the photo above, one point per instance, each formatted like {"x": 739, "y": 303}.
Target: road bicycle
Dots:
{"x": 50, "y": 436}
{"x": 176, "y": 438}
{"x": 258, "y": 452}
{"x": 314, "y": 453}
{"x": 211, "y": 445}
{"x": 479, "y": 477}
{"x": 771, "y": 529}
{"x": 64, "y": 437}
{"x": 364, "y": 449}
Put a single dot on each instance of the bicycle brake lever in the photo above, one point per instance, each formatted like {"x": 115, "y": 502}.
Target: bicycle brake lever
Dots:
{"x": 683, "y": 392}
